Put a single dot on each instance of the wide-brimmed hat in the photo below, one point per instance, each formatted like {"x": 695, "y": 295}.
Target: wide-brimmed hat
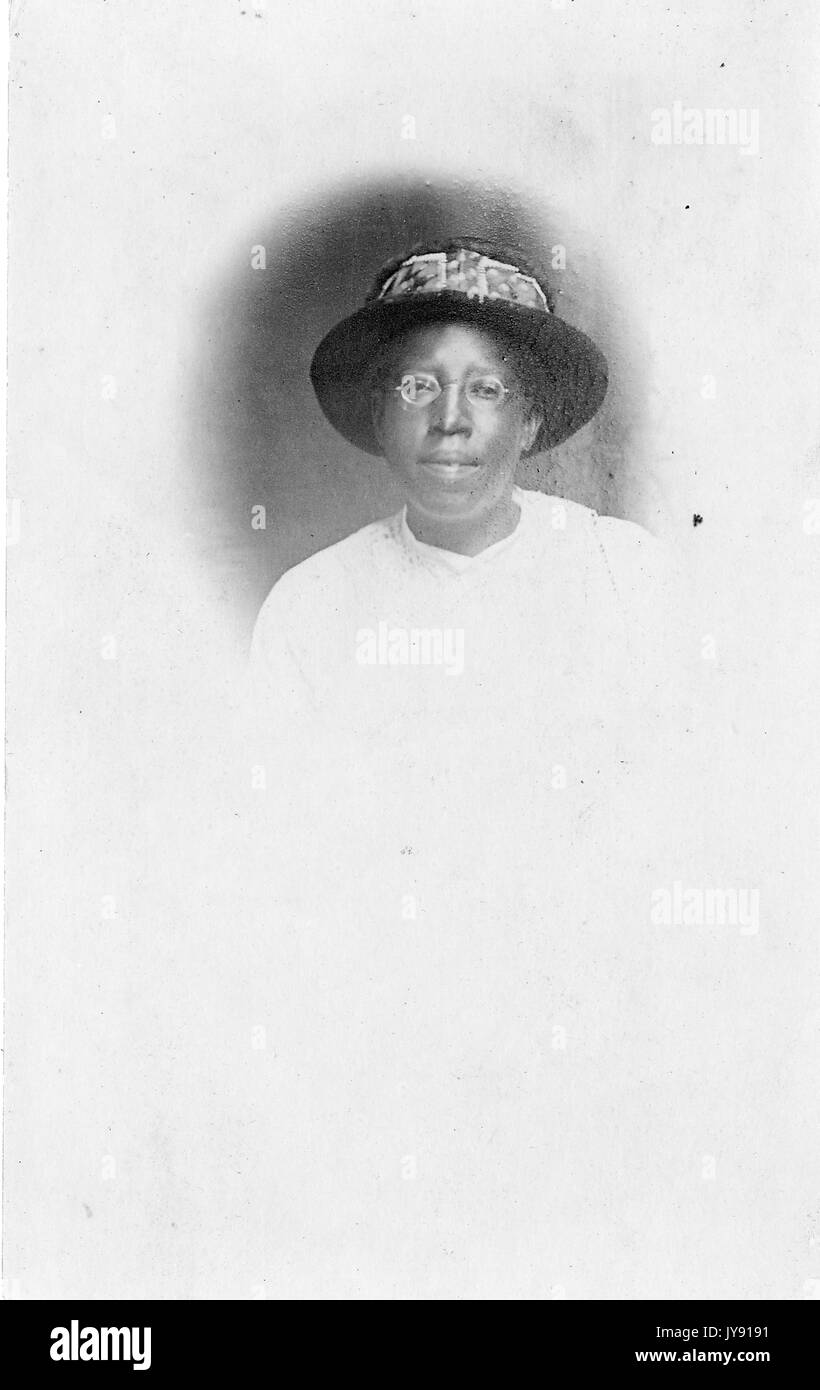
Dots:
{"x": 469, "y": 281}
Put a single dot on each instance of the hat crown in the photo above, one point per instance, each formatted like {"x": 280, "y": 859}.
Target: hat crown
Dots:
{"x": 478, "y": 270}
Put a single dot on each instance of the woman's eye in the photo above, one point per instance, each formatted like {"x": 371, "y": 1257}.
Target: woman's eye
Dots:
{"x": 487, "y": 389}
{"x": 415, "y": 388}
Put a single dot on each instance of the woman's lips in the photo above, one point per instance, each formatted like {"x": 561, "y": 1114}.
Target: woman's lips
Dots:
{"x": 448, "y": 467}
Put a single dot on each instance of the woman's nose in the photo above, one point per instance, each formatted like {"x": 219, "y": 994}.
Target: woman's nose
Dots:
{"x": 450, "y": 410}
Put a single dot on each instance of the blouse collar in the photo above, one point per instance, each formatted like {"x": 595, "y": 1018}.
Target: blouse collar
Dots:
{"x": 453, "y": 560}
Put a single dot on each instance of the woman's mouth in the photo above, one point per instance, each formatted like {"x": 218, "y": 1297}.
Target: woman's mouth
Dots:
{"x": 448, "y": 468}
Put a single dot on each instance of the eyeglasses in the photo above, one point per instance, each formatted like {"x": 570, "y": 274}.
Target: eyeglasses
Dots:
{"x": 483, "y": 392}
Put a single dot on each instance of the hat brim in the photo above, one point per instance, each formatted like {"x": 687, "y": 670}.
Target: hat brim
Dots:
{"x": 566, "y": 372}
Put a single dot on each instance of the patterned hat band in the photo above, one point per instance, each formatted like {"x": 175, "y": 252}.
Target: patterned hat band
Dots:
{"x": 464, "y": 272}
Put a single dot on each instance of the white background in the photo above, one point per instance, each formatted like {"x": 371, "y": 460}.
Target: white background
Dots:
{"x": 149, "y": 144}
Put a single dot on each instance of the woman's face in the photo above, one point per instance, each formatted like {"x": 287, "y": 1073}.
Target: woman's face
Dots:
{"x": 455, "y": 457}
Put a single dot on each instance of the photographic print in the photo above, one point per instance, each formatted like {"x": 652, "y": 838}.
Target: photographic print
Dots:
{"x": 412, "y": 654}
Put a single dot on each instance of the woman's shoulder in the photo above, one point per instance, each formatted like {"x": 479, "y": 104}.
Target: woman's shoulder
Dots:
{"x": 625, "y": 537}
{"x": 641, "y": 568}
{"x": 626, "y": 545}
{"x": 323, "y": 578}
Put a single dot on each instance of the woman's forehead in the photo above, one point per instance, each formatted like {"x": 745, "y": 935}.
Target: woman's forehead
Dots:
{"x": 448, "y": 340}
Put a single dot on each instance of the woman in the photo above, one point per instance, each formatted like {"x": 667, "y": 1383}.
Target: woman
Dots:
{"x": 462, "y": 699}
{"x": 455, "y": 368}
